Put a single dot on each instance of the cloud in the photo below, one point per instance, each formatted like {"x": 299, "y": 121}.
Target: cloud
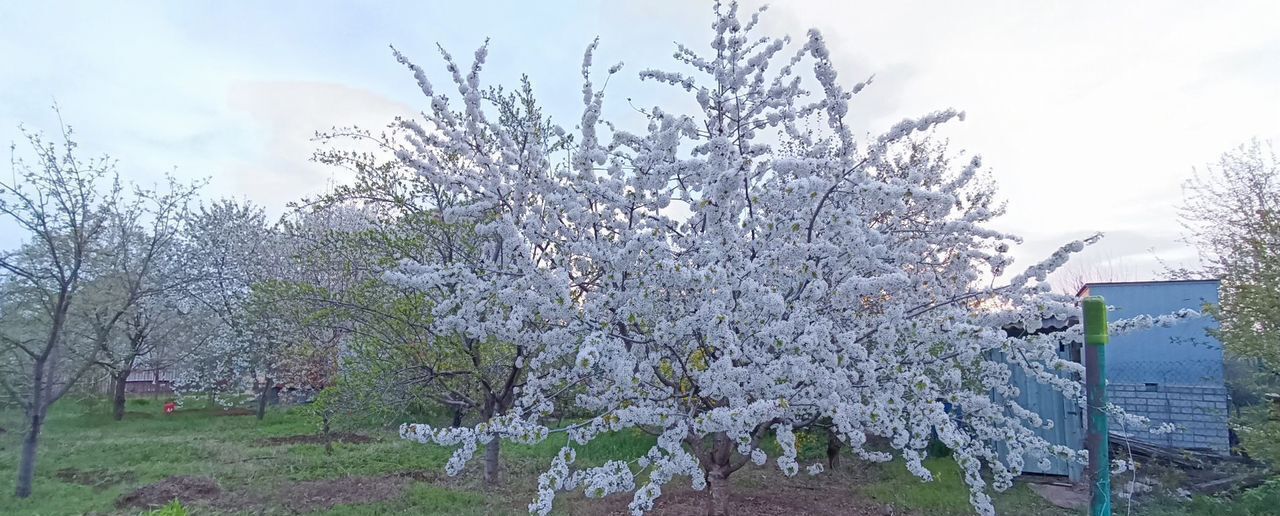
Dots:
{"x": 1090, "y": 116}
{"x": 283, "y": 117}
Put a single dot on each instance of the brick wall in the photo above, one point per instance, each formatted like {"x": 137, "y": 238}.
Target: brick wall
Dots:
{"x": 1199, "y": 413}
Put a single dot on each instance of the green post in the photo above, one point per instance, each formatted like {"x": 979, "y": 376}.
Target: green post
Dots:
{"x": 1097, "y": 440}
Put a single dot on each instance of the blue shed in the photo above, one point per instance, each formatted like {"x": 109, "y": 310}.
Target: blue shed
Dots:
{"x": 1172, "y": 374}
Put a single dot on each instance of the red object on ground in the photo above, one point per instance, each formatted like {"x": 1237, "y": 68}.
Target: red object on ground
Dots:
{"x": 170, "y": 407}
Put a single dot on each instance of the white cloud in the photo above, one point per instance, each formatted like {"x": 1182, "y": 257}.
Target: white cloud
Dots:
{"x": 1089, "y": 115}
{"x": 1060, "y": 96}
{"x": 284, "y": 116}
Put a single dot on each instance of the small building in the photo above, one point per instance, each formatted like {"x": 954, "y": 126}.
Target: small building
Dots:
{"x": 1172, "y": 374}
{"x": 149, "y": 381}
{"x": 1169, "y": 375}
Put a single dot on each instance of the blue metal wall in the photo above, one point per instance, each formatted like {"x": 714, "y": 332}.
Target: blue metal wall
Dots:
{"x": 1068, "y": 427}
{"x": 1172, "y": 375}
{"x": 1179, "y": 355}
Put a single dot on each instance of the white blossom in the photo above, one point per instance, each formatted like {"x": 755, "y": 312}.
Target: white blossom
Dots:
{"x": 814, "y": 276}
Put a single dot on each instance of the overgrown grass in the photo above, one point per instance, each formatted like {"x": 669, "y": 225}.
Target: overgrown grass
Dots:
{"x": 149, "y": 446}
{"x": 1263, "y": 500}
{"x": 423, "y": 499}
{"x": 946, "y": 494}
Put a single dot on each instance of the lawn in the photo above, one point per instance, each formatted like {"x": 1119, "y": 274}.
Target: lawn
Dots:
{"x": 88, "y": 462}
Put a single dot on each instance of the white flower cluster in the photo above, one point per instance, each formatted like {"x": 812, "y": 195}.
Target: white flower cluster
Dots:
{"x": 1146, "y": 322}
{"x": 732, "y": 272}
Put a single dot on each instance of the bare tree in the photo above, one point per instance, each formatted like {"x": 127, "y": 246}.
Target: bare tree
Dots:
{"x": 61, "y": 202}
{"x": 1073, "y": 277}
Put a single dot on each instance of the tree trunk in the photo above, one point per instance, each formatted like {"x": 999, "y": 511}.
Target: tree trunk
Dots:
{"x": 35, "y": 413}
{"x": 262, "y": 398}
{"x": 324, "y": 429}
{"x": 718, "y": 503}
{"x": 492, "y": 461}
{"x": 457, "y": 416}
{"x": 27, "y": 467}
{"x": 718, "y": 470}
{"x": 117, "y": 400}
{"x": 833, "y": 449}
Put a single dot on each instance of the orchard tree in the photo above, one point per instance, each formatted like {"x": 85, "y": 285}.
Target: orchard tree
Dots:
{"x": 62, "y": 204}
{"x": 724, "y": 275}
{"x": 139, "y": 277}
{"x": 1231, "y": 213}
{"x": 311, "y": 301}
{"x": 412, "y": 339}
{"x": 159, "y": 332}
{"x": 236, "y": 251}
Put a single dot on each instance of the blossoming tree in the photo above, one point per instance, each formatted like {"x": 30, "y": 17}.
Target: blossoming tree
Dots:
{"x": 60, "y": 204}
{"x": 725, "y": 275}
{"x": 412, "y": 336}
{"x": 139, "y": 280}
{"x": 235, "y": 251}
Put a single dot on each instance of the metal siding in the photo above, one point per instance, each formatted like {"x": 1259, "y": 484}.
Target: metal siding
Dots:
{"x": 1170, "y": 375}
{"x": 1180, "y": 355}
{"x": 1067, "y": 422}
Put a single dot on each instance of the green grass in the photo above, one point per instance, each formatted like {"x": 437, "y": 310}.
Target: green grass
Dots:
{"x": 422, "y": 499}
{"x": 149, "y": 446}
{"x": 946, "y": 494}
{"x": 1259, "y": 501}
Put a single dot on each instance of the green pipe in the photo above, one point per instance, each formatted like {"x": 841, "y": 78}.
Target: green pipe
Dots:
{"x": 1097, "y": 440}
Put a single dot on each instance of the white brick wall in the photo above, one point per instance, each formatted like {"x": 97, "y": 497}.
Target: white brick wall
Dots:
{"x": 1199, "y": 413}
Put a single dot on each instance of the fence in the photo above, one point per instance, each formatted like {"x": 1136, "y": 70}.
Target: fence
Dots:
{"x": 1166, "y": 372}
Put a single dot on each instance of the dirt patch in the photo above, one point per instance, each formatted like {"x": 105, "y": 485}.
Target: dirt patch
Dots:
{"x": 96, "y": 478}
{"x": 428, "y": 476}
{"x": 335, "y": 437}
{"x": 1064, "y": 496}
{"x": 782, "y": 499}
{"x": 324, "y": 494}
{"x": 188, "y": 490}
{"x": 299, "y": 497}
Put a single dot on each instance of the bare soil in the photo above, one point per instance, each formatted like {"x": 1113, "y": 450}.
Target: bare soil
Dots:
{"x": 334, "y": 437}
{"x": 96, "y": 478}
{"x": 188, "y": 490}
{"x": 756, "y": 492}
{"x": 784, "y": 501}
{"x": 1074, "y": 497}
{"x": 299, "y": 497}
{"x": 324, "y": 494}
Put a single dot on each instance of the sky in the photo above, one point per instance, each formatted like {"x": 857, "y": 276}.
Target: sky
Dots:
{"x": 1089, "y": 115}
